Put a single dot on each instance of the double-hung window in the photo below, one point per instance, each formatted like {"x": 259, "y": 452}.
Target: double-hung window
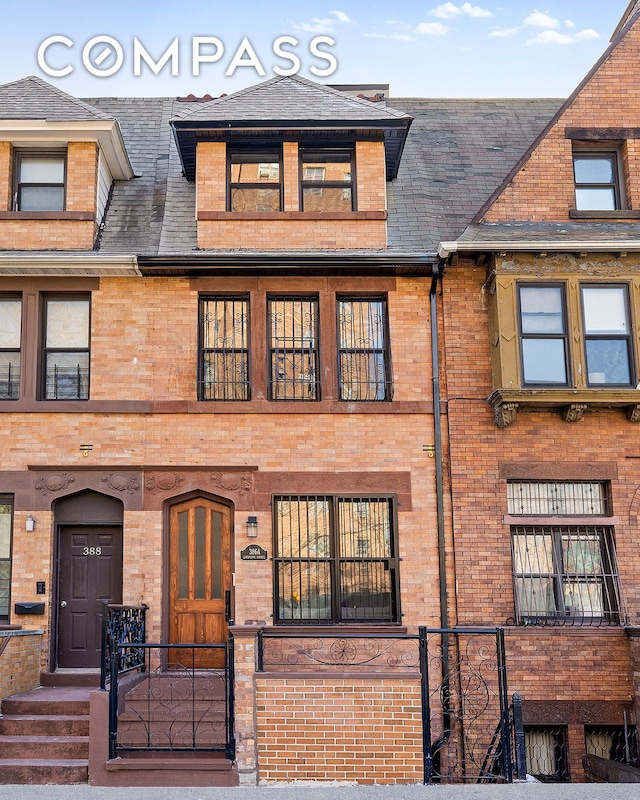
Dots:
{"x": 563, "y": 572}
{"x": 363, "y": 342}
{"x": 543, "y": 335}
{"x": 40, "y": 180}
{"x": 294, "y": 372}
{"x": 327, "y": 179}
{"x": 597, "y": 180}
{"x": 10, "y": 335}
{"x": 254, "y": 180}
{"x": 607, "y": 335}
{"x": 65, "y": 351}
{"x": 224, "y": 350}
{"x": 335, "y": 560}
{"x": 6, "y": 528}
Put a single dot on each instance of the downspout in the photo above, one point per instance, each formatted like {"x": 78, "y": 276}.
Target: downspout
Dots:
{"x": 436, "y": 275}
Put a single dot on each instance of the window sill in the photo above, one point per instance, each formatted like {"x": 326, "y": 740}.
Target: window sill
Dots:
{"x": 47, "y": 215}
{"x": 205, "y": 216}
{"x": 570, "y": 403}
{"x": 620, "y": 215}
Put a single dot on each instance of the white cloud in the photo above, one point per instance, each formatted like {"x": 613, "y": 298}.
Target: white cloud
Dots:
{"x": 398, "y": 37}
{"x": 341, "y": 16}
{"x": 475, "y": 11}
{"x": 432, "y": 29}
{"x": 451, "y": 11}
{"x": 586, "y": 34}
{"x": 446, "y": 11}
{"x": 539, "y": 20}
{"x": 551, "y": 37}
{"x": 504, "y": 32}
{"x": 322, "y": 24}
{"x": 569, "y": 24}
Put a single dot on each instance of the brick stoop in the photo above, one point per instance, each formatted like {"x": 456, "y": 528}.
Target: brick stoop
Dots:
{"x": 44, "y": 736}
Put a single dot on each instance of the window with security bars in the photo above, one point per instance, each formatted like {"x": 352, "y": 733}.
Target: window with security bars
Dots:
{"x": 293, "y": 348}
{"x": 65, "y": 355}
{"x": 10, "y": 334}
{"x": 6, "y": 527}
{"x": 335, "y": 560}
{"x": 613, "y": 742}
{"x": 558, "y": 498}
{"x": 546, "y": 753}
{"x": 363, "y": 342}
{"x": 565, "y": 575}
{"x": 224, "y": 353}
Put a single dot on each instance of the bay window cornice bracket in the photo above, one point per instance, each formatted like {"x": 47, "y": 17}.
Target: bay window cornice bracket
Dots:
{"x": 504, "y": 413}
{"x": 633, "y": 413}
{"x": 573, "y": 412}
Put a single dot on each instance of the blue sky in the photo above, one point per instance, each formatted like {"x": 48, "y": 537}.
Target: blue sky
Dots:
{"x": 450, "y": 49}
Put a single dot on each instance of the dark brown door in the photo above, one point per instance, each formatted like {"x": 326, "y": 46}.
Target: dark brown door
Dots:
{"x": 90, "y": 570}
{"x": 200, "y": 578}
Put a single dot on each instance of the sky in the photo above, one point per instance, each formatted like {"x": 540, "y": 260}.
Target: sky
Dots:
{"x": 421, "y": 49}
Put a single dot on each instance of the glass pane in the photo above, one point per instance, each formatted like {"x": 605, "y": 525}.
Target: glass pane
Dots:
{"x": 365, "y": 592}
{"x": 303, "y": 528}
{"x": 305, "y": 591}
{"x": 42, "y": 198}
{"x": 255, "y": 200}
{"x": 9, "y": 375}
{"x": 365, "y": 528}
{"x": 67, "y": 323}
{"x": 5, "y": 531}
{"x": 225, "y": 323}
{"x": 608, "y": 361}
{"x": 67, "y": 376}
{"x": 594, "y": 169}
{"x": 541, "y": 309}
{"x": 547, "y": 497}
{"x": 41, "y": 170}
{"x": 532, "y": 554}
{"x": 5, "y": 585}
{"x": 200, "y": 558}
{"x": 294, "y": 348}
{"x": 10, "y": 322}
{"x": 327, "y": 199}
{"x": 535, "y": 597}
{"x": 583, "y": 598}
{"x": 255, "y": 172}
{"x": 588, "y": 199}
{"x": 362, "y": 324}
{"x": 226, "y": 376}
{"x": 581, "y": 554}
{"x": 541, "y": 753}
{"x": 544, "y": 361}
{"x": 216, "y": 555}
{"x": 183, "y": 554}
{"x": 605, "y": 309}
{"x": 362, "y": 376}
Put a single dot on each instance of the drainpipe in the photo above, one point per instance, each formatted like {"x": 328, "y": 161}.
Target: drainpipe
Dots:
{"x": 436, "y": 274}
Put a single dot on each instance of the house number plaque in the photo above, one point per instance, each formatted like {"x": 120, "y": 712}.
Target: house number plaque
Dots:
{"x": 253, "y": 553}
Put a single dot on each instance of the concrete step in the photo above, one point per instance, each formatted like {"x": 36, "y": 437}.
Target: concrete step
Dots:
{"x": 42, "y": 747}
{"x": 44, "y": 771}
{"x": 40, "y": 725}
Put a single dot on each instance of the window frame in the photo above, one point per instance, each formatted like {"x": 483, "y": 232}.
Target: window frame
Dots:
{"x": 335, "y": 560}
{"x": 45, "y": 350}
{"x": 254, "y": 155}
{"x": 564, "y": 337}
{"x": 627, "y": 338}
{"x": 274, "y": 354}
{"x": 306, "y": 184}
{"x": 384, "y": 351}
{"x": 43, "y": 154}
{"x": 8, "y": 500}
{"x": 239, "y": 387}
{"x": 10, "y": 395}
{"x": 561, "y": 752}
{"x": 616, "y": 185}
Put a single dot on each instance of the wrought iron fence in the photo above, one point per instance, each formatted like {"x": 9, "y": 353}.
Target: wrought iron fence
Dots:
{"x": 122, "y": 625}
{"x": 467, "y": 727}
{"x": 177, "y": 703}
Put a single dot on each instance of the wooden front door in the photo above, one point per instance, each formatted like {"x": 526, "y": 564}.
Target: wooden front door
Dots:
{"x": 200, "y": 579}
{"x": 89, "y": 570}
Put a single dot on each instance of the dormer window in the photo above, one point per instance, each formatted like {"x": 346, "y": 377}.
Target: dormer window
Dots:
{"x": 255, "y": 182}
{"x": 327, "y": 179}
{"x": 597, "y": 180}
{"x": 40, "y": 180}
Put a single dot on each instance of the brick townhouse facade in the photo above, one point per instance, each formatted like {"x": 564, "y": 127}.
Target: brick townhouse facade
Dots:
{"x": 295, "y": 362}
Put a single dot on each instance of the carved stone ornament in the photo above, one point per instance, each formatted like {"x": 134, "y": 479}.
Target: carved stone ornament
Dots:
{"x": 573, "y": 412}
{"x": 56, "y": 482}
{"x": 633, "y": 413}
{"x": 120, "y": 482}
{"x": 163, "y": 482}
{"x": 505, "y": 414}
{"x": 231, "y": 482}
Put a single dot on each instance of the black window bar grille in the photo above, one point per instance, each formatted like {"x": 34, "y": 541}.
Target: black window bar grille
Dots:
{"x": 364, "y": 361}
{"x": 546, "y": 753}
{"x": 558, "y": 498}
{"x": 293, "y": 348}
{"x": 70, "y": 382}
{"x": 224, "y": 365}
{"x": 10, "y": 379}
{"x": 612, "y": 742}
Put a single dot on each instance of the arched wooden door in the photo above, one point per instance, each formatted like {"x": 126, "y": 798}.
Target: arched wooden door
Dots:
{"x": 200, "y": 577}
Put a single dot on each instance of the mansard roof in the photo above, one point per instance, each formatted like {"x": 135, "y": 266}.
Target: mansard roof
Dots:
{"x": 286, "y": 107}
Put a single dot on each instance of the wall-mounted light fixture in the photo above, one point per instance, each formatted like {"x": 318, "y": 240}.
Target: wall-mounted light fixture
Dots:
{"x": 30, "y": 523}
{"x": 429, "y": 449}
{"x": 252, "y": 527}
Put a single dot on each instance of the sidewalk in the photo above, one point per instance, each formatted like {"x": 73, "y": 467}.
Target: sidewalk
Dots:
{"x": 527, "y": 791}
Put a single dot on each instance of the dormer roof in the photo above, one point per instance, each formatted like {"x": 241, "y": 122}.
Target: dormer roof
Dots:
{"x": 286, "y": 108}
